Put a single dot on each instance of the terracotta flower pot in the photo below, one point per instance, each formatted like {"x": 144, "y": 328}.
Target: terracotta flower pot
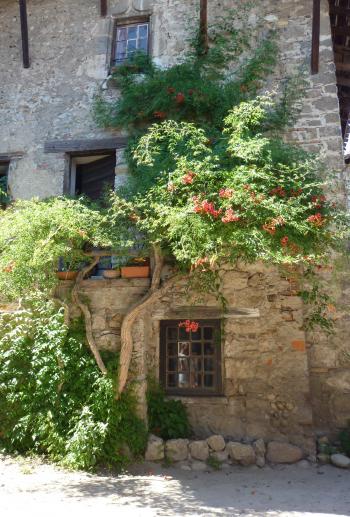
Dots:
{"x": 111, "y": 273}
{"x": 67, "y": 275}
{"x": 135, "y": 271}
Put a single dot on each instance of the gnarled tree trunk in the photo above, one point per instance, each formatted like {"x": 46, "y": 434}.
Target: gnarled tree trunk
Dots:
{"x": 126, "y": 330}
{"x": 87, "y": 314}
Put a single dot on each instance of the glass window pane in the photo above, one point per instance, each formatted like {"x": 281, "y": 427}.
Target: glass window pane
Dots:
{"x": 208, "y": 380}
{"x": 197, "y": 334}
{"x": 172, "y": 364}
{"x": 121, "y": 50}
{"x": 121, "y": 34}
{"x": 131, "y": 45}
{"x": 208, "y": 365}
{"x": 184, "y": 348}
{"x": 184, "y": 380}
{"x": 209, "y": 348}
{"x": 196, "y": 364}
{"x": 132, "y": 33}
{"x": 183, "y": 365}
{"x": 171, "y": 380}
{"x": 208, "y": 332}
{"x": 196, "y": 380}
{"x": 172, "y": 349}
{"x": 183, "y": 334}
{"x": 172, "y": 333}
{"x": 143, "y": 45}
{"x": 143, "y": 31}
{"x": 196, "y": 348}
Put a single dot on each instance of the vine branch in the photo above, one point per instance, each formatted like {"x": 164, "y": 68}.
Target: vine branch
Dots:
{"x": 87, "y": 314}
{"x": 129, "y": 320}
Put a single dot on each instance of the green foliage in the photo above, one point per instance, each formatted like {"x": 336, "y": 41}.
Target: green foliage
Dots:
{"x": 4, "y": 197}
{"x": 53, "y": 398}
{"x": 35, "y": 234}
{"x": 251, "y": 197}
{"x": 200, "y": 87}
{"x": 167, "y": 418}
{"x": 214, "y": 463}
{"x": 344, "y": 437}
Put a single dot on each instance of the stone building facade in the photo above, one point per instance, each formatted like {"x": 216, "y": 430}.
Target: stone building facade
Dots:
{"x": 277, "y": 382}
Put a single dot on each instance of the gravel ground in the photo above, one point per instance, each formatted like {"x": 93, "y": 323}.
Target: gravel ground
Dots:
{"x": 33, "y": 488}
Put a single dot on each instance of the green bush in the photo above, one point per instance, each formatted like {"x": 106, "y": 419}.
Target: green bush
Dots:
{"x": 167, "y": 418}
{"x": 344, "y": 437}
{"x": 53, "y": 398}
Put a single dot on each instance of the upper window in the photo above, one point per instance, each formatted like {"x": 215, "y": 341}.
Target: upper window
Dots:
{"x": 130, "y": 39}
{"x": 190, "y": 358}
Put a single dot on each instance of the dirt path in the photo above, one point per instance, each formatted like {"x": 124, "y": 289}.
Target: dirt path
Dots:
{"x": 30, "y": 488}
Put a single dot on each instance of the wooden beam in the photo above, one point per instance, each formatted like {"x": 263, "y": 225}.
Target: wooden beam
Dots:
{"x": 204, "y": 312}
{"x": 315, "y": 45}
{"x": 203, "y": 25}
{"x": 24, "y": 31}
{"x": 104, "y": 8}
{"x": 80, "y": 146}
{"x": 10, "y": 156}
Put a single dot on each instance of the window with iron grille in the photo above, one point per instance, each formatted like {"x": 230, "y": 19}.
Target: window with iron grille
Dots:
{"x": 190, "y": 361}
{"x": 130, "y": 38}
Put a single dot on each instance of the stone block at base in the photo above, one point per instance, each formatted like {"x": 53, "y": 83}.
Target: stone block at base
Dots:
{"x": 279, "y": 452}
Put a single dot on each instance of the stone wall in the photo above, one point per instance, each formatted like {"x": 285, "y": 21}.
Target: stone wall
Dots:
{"x": 274, "y": 375}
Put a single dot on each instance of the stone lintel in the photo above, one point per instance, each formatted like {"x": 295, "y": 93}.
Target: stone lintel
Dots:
{"x": 205, "y": 312}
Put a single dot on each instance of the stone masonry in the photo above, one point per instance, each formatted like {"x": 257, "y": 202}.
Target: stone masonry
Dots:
{"x": 279, "y": 384}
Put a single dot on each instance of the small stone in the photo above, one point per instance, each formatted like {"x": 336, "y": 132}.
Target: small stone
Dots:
{"x": 259, "y": 447}
{"x": 220, "y": 455}
{"x": 279, "y": 452}
{"x": 260, "y": 451}
{"x": 185, "y": 467}
{"x": 241, "y": 453}
{"x": 260, "y": 461}
{"x": 340, "y": 460}
{"x": 271, "y": 18}
{"x": 216, "y": 442}
{"x": 323, "y": 458}
{"x": 303, "y": 464}
{"x": 199, "y": 450}
{"x": 155, "y": 449}
{"x": 323, "y": 440}
{"x": 199, "y": 466}
{"x": 176, "y": 450}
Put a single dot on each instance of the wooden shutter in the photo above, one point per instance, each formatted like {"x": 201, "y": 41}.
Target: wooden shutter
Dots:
{"x": 93, "y": 178}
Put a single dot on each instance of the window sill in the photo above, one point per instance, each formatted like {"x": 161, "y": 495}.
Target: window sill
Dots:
{"x": 219, "y": 399}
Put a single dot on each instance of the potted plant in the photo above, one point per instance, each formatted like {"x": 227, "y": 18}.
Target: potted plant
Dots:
{"x": 67, "y": 270}
{"x": 114, "y": 270}
{"x": 136, "y": 268}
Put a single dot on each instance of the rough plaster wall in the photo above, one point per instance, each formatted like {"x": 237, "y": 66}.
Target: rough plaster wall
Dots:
{"x": 69, "y": 47}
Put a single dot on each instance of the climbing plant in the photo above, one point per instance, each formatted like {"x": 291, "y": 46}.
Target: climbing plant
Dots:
{"x": 211, "y": 183}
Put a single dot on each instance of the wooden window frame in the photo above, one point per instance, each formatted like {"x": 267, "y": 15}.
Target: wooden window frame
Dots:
{"x": 125, "y": 22}
{"x": 191, "y": 392}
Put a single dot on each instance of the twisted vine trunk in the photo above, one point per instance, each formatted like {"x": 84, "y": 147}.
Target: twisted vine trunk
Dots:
{"x": 87, "y": 314}
{"x": 126, "y": 330}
